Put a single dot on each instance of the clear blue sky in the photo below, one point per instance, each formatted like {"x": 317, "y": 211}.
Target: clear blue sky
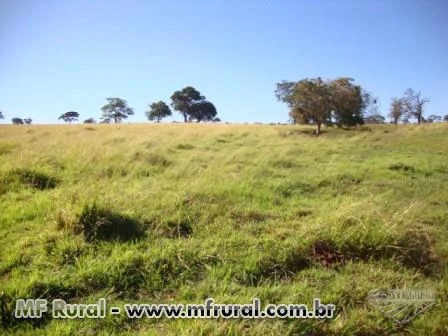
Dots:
{"x": 62, "y": 55}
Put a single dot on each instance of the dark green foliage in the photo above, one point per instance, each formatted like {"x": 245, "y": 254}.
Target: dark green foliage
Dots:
{"x": 17, "y": 121}
{"x": 89, "y": 121}
{"x": 157, "y": 111}
{"x": 192, "y": 105}
{"x": 69, "y": 117}
{"x": 98, "y": 223}
{"x": 202, "y": 111}
{"x": 182, "y": 100}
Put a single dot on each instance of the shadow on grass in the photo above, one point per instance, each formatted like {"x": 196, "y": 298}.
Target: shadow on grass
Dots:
{"x": 98, "y": 223}
{"x": 32, "y": 178}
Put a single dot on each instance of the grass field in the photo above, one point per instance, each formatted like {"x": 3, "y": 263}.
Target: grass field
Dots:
{"x": 230, "y": 212}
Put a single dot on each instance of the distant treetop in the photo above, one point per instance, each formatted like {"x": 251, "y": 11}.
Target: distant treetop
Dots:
{"x": 116, "y": 109}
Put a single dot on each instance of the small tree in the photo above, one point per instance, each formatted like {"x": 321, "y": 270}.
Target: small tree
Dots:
{"x": 445, "y": 118}
{"x": 433, "y": 118}
{"x": 28, "y": 121}
{"x": 414, "y": 104}
{"x": 17, "y": 121}
{"x": 1, "y": 115}
{"x": 375, "y": 118}
{"x": 89, "y": 121}
{"x": 157, "y": 111}
{"x": 396, "y": 110}
{"x": 116, "y": 109}
{"x": 69, "y": 116}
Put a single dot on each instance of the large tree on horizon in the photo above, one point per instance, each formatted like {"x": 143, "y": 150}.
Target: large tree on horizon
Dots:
{"x": 316, "y": 101}
{"x": 116, "y": 109}
{"x": 182, "y": 100}
{"x": 309, "y": 100}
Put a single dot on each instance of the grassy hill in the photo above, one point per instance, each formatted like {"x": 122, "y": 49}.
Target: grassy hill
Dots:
{"x": 178, "y": 213}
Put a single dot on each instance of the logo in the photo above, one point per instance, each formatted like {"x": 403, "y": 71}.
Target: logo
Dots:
{"x": 402, "y": 305}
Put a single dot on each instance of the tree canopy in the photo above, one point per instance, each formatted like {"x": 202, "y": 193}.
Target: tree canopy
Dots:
{"x": 202, "y": 111}
{"x": 116, "y": 109}
{"x": 414, "y": 104}
{"x": 313, "y": 100}
{"x": 183, "y": 100}
{"x": 158, "y": 110}
{"x": 396, "y": 110}
{"x": 17, "y": 121}
{"x": 69, "y": 117}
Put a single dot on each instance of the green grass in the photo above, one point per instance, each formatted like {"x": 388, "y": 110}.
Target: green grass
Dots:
{"x": 178, "y": 213}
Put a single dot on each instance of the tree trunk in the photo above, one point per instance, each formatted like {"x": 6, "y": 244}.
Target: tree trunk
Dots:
{"x": 185, "y": 117}
{"x": 318, "y": 129}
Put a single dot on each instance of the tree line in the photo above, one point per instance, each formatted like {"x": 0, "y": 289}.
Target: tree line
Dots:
{"x": 339, "y": 102}
{"x": 188, "y": 102}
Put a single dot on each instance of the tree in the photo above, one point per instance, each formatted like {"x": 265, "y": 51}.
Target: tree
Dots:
{"x": 17, "y": 121}
{"x": 433, "y": 118}
{"x": 1, "y": 115}
{"x": 116, "y": 109}
{"x": 445, "y": 118}
{"x": 202, "y": 111}
{"x": 316, "y": 101}
{"x": 349, "y": 102}
{"x": 309, "y": 100}
{"x": 28, "y": 121}
{"x": 414, "y": 104}
{"x": 157, "y": 111}
{"x": 183, "y": 100}
{"x": 69, "y": 116}
{"x": 89, "y": 121}
{"x": 397, "y": 110}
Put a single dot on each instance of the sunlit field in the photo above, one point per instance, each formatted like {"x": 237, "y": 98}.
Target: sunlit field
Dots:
{"x": 177, "y": 213}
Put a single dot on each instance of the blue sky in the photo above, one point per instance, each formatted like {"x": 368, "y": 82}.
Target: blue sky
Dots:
{"x": 57, "y": 56}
